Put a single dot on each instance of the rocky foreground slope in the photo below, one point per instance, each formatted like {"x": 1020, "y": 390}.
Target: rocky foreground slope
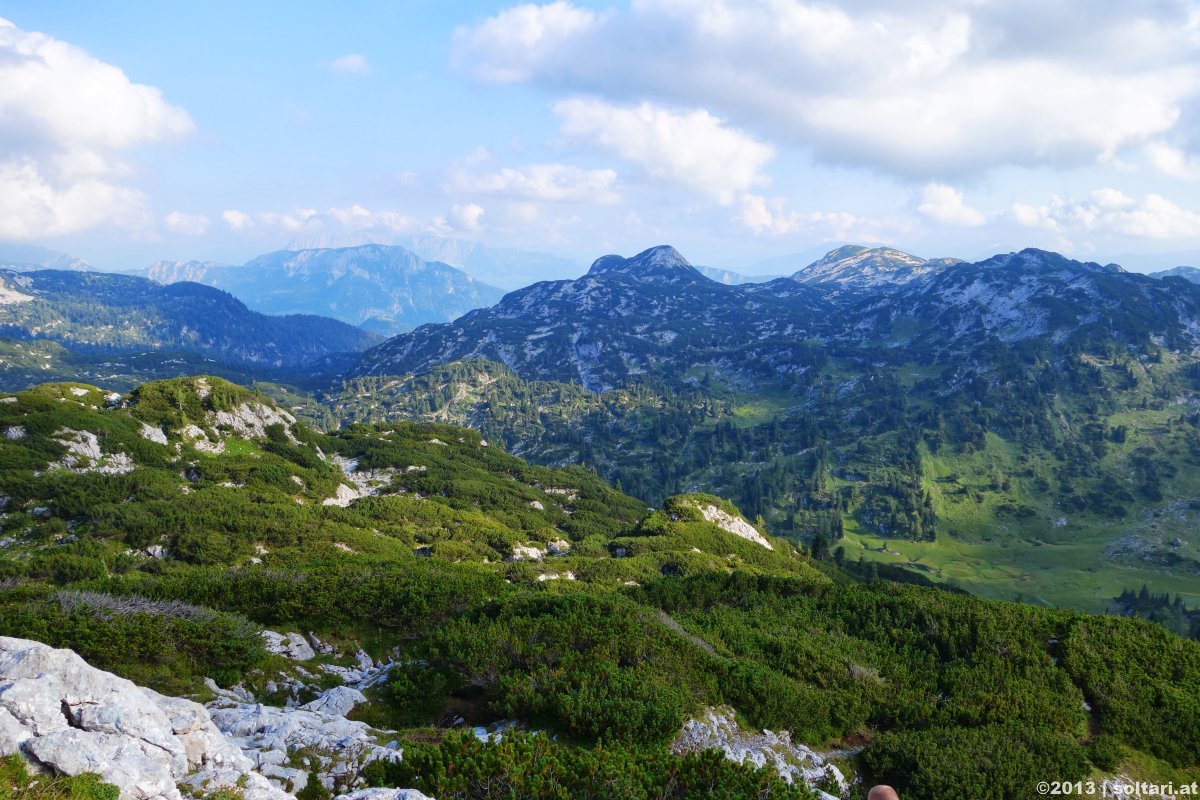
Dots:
{"x": 67, "y": 716}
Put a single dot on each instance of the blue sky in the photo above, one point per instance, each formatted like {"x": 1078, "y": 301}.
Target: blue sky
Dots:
{"x": 736, "y": 131}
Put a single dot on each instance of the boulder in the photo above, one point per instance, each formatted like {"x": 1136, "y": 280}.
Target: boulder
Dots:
{"x": 338, "y": 701}
{"x": 69, "y": 717}
{"x": 270, "y": 735}
{"x": 384, "y": 794}
{"x": 288, "y": 645}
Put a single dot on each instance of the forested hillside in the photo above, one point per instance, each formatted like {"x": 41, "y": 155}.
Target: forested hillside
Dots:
{"x": 100, "y": 314}
{"x": 1024, "y": 427}
{"x": 155, "y": 533}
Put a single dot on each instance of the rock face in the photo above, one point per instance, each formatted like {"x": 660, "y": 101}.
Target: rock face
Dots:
{"x": 717, "y": 728}
{"x": 252, "y": 419}
{"x": 735, "y": 525}
{"x": 271, "y": 735}
{"x": 84, "y": 454}
{"x": 70, "y": 717}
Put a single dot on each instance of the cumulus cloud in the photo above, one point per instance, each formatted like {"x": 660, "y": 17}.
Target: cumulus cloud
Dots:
{"x": 237, "y": 220}
{"x": 927, "y": 90}
{"x": 1108, "y": 211}
{"x": 65, "y": 118}
{"x": 1173, "y": 161}
{"x": 946, "y": 205}
{"x": 688, "y": 148}
{"x": 768, "y": 215}
{"x": 466, "y": 217}
{"x": 352, "y": 219}
{"x": 351, "y": 64}
{"x": 520, "y": 42}
{"x": 555, "y": 183}
{"x": 188, "y": 224}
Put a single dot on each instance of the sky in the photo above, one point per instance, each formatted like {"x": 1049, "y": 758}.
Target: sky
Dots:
{"x": 735, "y": 130}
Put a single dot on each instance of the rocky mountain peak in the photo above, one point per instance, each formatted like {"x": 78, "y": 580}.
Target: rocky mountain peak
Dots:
{"x": 1034, "y": 260}
{"x": 662, "y": 261}
{"x": 862, "y": 267}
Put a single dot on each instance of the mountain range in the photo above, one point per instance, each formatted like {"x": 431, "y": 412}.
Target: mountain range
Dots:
{"x": 1187, "y": 273}
{"x": 379, "y": 287}
{"x": 970, "y": 420}
{"x": 950, "y": 417}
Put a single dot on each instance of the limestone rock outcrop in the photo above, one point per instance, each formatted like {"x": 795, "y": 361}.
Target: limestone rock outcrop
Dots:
{"x": 65, "y": 715}
{"x": 717, "y": 728}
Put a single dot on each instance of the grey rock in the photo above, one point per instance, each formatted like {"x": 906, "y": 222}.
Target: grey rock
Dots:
{"x": 717, "y": 728}
{"x": 289, "y": 645}
{"x": 341, "y": 747}
{"x": 71, "y": 718}
{"x": 384, "y": 794}
{"x": 338, "y": 701}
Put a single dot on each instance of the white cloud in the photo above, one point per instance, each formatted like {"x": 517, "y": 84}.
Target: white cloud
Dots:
{"x": 466, "y": 217}
{"x": 519, "y": 42}
{"x": 923, "y": 89}
{"x": 358, "y": 218}
{"x": 555, "y": 183}
{"x": 237, "y": 220}
{"x": 945, "y": 204}
{"x": 352, "y": 219}
{"x": 1172, "y": 161}
{"x": 689, "y": 148}
{"x": 32, "y": 206}
{"x": 351, "y": 64}
{"x": 187, "y": 224}
{"x": 765, "y": 215}
{"x": 65, "y": 117}
{"x": 1108, "y": 211}
{"x": 289, "y": 221}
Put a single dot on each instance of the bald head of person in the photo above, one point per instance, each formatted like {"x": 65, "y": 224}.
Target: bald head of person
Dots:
{"x": 882, "y": 793}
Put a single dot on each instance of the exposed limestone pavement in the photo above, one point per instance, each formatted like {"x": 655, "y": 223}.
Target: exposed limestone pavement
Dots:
{"x": 70, "y": 717}
{"x": 66, "y": 716}
{"x": 717, "y": 728}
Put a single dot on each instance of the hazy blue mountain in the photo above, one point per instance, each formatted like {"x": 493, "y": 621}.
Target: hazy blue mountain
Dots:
{"x": 176, "y": 271}
{"x": 731, "y": 277}
{"x": 1187, "y": 273}
{"x": 23, "y": 257}
{"x": 500, "y": 266}
{"x": 384, "y": 288}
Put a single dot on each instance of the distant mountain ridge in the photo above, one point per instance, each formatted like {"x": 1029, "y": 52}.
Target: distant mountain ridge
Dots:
{"x": 732, "y": 277}
{"x": 655, "y": 312}
{"x": 1187, "y": 273}
{"x": 107, "y": 313}
{"x": 176, "y": 271}
{"x": 25, "y": 257}
{"x": 383, "y": 288}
